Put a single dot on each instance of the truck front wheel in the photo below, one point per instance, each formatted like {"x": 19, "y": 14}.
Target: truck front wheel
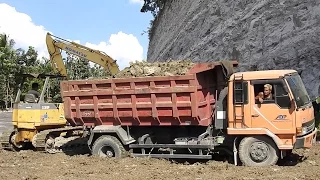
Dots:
{"x": 108, "y": 147}
{"x": 258, "y": 151}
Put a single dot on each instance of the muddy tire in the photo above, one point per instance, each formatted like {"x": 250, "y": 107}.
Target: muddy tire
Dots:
{"x": 258, "y": 151}
{"x": 108, "y": 147}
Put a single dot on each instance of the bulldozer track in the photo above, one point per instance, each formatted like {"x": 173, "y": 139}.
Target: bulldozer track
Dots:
{"x": 5, "y": 141}
{"x": 40, "y": 140}
{"x": 41, "y": 144}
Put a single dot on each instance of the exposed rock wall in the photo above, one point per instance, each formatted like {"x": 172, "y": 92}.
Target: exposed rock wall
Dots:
{"x": 261, "y": 34}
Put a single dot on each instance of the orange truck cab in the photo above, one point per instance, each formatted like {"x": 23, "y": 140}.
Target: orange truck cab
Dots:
{"x": 285, "y": 118}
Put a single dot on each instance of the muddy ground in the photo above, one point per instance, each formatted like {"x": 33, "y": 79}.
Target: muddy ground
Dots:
{"x": 37, "y": 165}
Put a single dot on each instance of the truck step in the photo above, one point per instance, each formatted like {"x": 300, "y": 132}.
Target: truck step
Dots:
{"x": 174, "y": 156}
{"x": 195, "y": 146}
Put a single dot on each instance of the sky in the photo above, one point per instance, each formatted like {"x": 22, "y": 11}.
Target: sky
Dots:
{"x": 112, "y": 26}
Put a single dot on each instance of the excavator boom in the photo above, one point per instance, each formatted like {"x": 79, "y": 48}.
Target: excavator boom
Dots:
{"x": 56, "y": 45}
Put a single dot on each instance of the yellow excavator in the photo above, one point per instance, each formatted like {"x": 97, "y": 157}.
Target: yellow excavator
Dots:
{"x": 41, "y": 125}
{"x": 56, "y": 44}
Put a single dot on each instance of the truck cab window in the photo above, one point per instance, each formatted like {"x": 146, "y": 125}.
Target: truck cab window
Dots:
{"x": 281, "y": 96}
{"x": 241, "y": 92}
{"x": 274, "y": 93}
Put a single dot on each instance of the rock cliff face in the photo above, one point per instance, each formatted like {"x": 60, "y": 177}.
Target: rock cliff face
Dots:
{"x": 261, "y": 34}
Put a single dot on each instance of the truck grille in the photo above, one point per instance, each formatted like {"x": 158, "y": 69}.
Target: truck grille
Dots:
{"x": 309, "y": 126}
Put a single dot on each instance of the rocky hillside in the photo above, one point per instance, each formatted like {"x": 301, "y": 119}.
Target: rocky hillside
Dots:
{"x": 262, "y": 34}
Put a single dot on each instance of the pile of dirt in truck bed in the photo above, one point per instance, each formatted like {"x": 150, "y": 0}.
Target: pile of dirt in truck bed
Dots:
{"x": 143, "y": 68}
{"x": 36, "y": 165}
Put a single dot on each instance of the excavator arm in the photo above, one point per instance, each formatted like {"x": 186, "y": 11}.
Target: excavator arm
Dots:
{"x": 55, "y": 45}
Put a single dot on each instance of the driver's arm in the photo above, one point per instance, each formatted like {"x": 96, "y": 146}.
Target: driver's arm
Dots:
{"x": 259, "y": 97}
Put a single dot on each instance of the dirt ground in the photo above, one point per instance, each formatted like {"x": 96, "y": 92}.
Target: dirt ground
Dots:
{"x": 37, "y": 165}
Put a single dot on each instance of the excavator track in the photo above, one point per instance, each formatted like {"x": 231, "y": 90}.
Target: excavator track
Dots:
{"x": 50, "y": 140}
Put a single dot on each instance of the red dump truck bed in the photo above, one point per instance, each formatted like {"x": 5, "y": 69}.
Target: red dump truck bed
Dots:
{"x": 144, "y": 101}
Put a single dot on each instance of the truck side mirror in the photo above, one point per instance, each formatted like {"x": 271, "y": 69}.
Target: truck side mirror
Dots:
{"x": 292, "y": 104}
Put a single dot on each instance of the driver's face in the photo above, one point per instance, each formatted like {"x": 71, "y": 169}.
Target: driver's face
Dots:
{"x": 266, "y": 91}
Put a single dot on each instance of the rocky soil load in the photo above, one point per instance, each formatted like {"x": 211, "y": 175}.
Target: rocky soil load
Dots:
{"x": 143, "y": 68}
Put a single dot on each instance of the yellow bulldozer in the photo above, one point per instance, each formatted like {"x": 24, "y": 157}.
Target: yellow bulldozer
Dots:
{"x": 39, "y": 124}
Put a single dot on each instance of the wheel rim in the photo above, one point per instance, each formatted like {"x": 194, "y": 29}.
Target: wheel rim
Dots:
{"x": 259, "y": 152}
{"x": 106, "y": 152}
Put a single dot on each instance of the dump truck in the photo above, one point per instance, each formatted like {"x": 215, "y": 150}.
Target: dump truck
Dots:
{"x": 208, "y": 110}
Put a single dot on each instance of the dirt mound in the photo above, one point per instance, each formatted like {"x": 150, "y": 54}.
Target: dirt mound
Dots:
{"x": 303, "y": 164}
{"x": 143, "y": 68}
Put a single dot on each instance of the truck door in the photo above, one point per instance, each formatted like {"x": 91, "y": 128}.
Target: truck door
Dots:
{"x": 275, "y": 114}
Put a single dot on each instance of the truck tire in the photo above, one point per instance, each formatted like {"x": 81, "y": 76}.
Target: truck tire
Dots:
{"x": 108, "y": 147}
{"x": 258, "y": 151}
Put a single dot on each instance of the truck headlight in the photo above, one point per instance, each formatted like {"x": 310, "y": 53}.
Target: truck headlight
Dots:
{"x": 301, "y": 130}
{"x": 304, "y": 130}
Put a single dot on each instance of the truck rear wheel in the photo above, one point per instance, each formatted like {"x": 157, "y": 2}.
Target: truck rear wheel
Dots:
{"x": 258, "y": 151}
{"x": 108, "y": 147}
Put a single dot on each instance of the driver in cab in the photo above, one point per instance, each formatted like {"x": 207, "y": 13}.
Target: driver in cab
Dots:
{"x": 266, "y": 94}
{"x": 34, "y": 91}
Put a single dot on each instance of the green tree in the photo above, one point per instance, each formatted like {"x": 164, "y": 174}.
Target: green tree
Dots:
{"x": 98, "y": 71}
{"x": 77, "y": 68}
{"x": 153, "y": 6}
{"x": 8, "y": 67}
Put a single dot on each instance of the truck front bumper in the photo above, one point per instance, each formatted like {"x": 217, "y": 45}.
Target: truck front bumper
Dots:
{"x": 306, "y": 141}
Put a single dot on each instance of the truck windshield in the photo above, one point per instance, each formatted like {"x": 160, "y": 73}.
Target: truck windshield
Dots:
{"x": 298, "y": 89}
